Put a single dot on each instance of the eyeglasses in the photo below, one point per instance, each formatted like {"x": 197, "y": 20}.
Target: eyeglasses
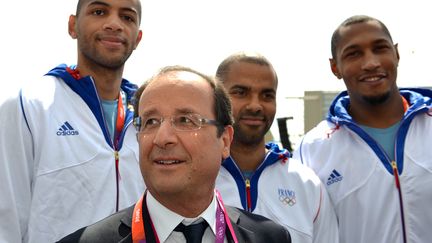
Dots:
{"x": 183, "y": 122}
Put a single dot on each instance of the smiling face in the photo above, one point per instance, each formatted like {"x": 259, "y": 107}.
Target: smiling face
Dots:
{"x": 252, "y": 88}
{"x": 180, "y": 163}
{"x": 367, "y": 60}
{"x": 107, "y": 32}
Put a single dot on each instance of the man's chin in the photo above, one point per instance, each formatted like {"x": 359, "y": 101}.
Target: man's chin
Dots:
{"x": 249, "y": 139}
{"x": 377, "y": 99}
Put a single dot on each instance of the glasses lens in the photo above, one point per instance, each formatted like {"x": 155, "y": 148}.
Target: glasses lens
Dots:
{"x": 150, "y": 124}
{"x": 187, "y": 122}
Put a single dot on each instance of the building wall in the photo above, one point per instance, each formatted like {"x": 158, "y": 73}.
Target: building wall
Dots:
{"x": 316, "y": 104}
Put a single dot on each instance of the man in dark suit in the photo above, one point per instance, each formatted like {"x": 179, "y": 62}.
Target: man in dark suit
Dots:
{"x": 184, "y": 124}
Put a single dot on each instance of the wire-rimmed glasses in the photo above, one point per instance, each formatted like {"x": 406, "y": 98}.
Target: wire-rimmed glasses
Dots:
{"x": 180, "y": 122}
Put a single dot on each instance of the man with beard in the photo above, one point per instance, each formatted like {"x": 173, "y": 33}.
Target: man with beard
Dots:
{"x": 261, "y": 178}
{"x": 373, "y": 151}
{"x": 68, "y": 151}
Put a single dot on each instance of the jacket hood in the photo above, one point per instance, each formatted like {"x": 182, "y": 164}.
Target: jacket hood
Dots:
{"x": 277, "y": 153}
{"x": 61, "y": 72}
{"x": 416, "y": 97}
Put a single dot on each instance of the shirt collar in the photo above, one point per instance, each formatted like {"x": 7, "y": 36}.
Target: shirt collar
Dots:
{"x": 167, "y": 220}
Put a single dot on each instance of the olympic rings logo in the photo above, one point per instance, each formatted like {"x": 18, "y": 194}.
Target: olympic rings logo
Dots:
{"x": 287, "y": 200}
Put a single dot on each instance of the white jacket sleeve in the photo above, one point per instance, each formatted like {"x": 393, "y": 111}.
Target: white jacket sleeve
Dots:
{"x": 16, "y": 171}
{"x": 326, "y": 227}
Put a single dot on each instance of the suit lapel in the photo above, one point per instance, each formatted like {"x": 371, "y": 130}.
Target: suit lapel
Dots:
{"x": 127, "y": 221}
{"x": 242, "y": 234}
{"x": 127, "y": 216}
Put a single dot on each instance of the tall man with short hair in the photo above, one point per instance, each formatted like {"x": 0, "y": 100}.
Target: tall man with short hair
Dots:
{"x": 67, "y": 148}
{"x": 373, "y": 150}
{"x": 262, "y": 178}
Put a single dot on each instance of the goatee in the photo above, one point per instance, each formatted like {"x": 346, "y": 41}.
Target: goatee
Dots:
{"x": 377, "y": 99}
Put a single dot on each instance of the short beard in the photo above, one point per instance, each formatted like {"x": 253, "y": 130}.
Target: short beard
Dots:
{"x": 104, "y": 60}
{"x": 377, "y": 99}
{"x": 248, "y": 139}
{"x": 111, "y": 64}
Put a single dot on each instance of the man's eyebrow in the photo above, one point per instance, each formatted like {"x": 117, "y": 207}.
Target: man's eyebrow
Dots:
{"x": 271, "y": 90}
{"x": 184, "y": 111}
{"x": 239, "y": 86}
{"x": 350, "y": 47}
{"x": 149, "y": 112}
{"x": 129, "y": 9}
{"x": 382, "y": 41}
{"x": 177, "y": 111}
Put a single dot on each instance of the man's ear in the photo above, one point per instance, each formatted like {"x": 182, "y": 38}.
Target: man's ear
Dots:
{"x": 227, "y": 137}
{"x": 138, "y": 39}
{"x": 71, "y": 27}
{"x": 397, "y": 51}
{"x": 334, "y": 69}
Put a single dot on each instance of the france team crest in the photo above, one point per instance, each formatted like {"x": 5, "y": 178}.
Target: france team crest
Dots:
{"x": 287, "y": 196}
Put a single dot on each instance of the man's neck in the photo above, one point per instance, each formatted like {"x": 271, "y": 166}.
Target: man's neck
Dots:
{"x": 107, "y": 81}
{"x": 248, "y": 157}
{"x": 378, "y": 116}
{"x": 185, "y": 204}
{"x": 165, "y": 219}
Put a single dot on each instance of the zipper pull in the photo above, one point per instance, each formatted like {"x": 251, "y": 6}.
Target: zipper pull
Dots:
{"x": 118, "y": 178}
{"x": 248, "y": 196}
{"x": 395, "y": 173}
{"x": 117, "y": 160}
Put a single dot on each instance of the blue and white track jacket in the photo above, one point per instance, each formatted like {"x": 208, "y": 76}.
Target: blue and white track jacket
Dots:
{"x": 376, "y": 200}
{"x": 285, "y": 191}
{"x": 58, "y": 167}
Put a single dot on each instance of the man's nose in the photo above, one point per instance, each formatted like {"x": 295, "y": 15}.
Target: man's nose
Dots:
{"x": 165, "y": 134}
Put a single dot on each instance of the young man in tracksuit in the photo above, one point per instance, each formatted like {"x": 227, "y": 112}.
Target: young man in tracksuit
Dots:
{"x": 262, "y": 178}
{"x": 68, "y": 151}
{"x": 373, "y": 152}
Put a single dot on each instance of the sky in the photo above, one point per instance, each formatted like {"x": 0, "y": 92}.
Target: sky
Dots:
{"x": 293, "y": 35}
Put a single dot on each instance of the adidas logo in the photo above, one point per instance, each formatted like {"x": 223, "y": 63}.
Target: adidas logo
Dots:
{"x": 67, "y": 130}
{"x": 334, "y": 177}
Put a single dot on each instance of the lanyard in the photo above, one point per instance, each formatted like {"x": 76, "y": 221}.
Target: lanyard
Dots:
{"x": 120, "y": 119}
{"x": 405, "y": 104}
{"x": 120, "y": 108}
{"x": 222, "y": 219}
{"x": 220, "y": 231}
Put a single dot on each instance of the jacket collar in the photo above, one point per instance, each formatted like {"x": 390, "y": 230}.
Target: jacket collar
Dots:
{"x": 418, "y": 99}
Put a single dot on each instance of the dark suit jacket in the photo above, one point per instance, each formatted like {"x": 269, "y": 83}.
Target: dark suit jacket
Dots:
{"x": 248, "y": 227}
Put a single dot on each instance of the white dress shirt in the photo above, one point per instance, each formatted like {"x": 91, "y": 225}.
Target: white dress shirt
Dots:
{"x": 165, "y": 221}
